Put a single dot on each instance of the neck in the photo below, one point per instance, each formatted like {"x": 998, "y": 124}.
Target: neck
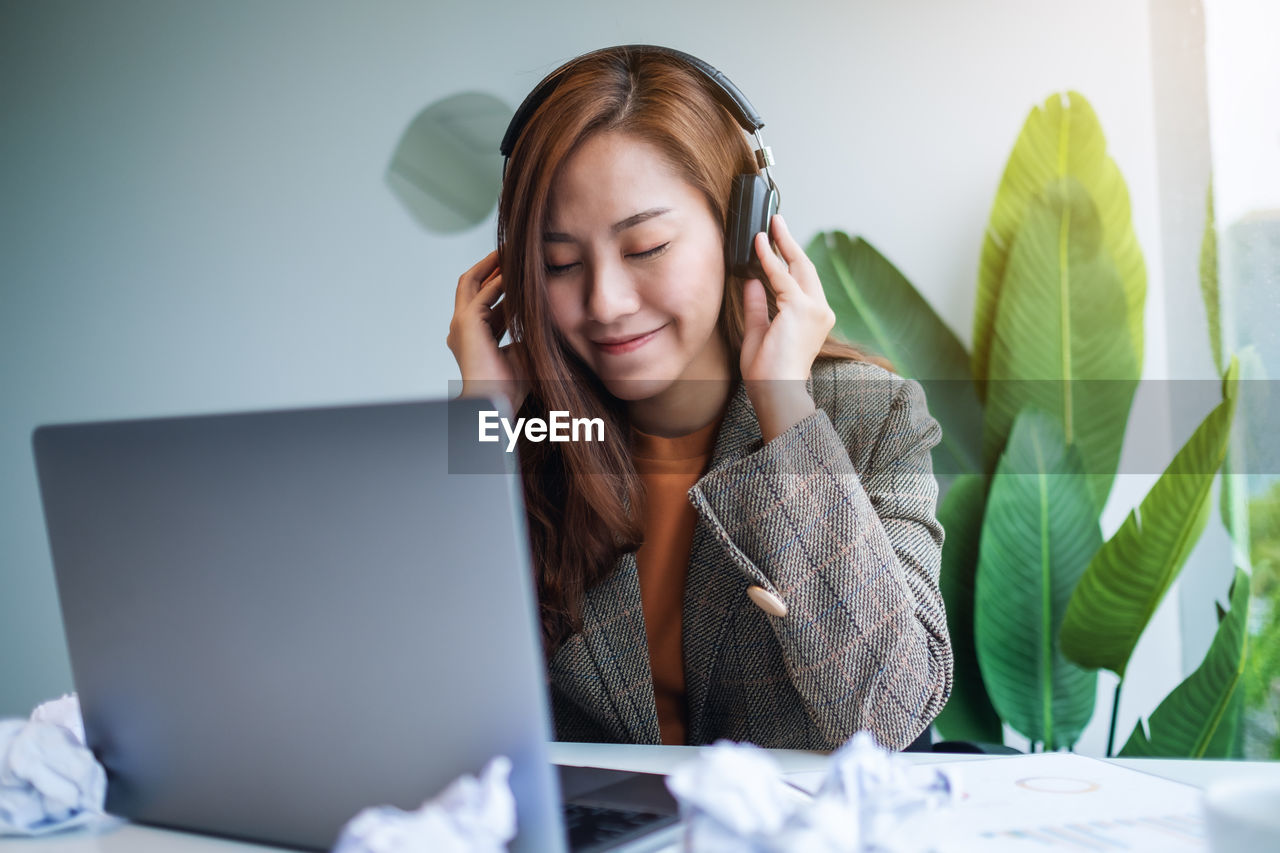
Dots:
{"x": 683, "y": 408}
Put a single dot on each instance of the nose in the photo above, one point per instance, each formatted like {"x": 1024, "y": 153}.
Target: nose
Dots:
{"x": 611, "y": 295}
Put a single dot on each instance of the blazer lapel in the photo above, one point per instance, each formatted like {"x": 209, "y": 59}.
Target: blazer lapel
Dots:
{"x": 606, "y": 665}
{"x": 713, "y": 589}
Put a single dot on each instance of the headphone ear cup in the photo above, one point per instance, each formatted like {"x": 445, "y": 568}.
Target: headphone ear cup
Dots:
{"x": 751, "y": 205}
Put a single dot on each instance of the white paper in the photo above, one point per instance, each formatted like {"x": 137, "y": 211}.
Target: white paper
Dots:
{"x": 469, "y": 816}
{"x": 63, "y": 711}
{"x": 49, "y": 780}
{"x": 733, "y": 797}
{"x": 1063, "y": 801}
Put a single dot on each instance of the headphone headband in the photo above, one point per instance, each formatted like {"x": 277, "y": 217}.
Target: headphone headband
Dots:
{"x": 754, "y": 197}
{"x": 722, "y": 87}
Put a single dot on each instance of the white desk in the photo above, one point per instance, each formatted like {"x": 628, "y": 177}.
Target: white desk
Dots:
{"x": 131, "y": 838}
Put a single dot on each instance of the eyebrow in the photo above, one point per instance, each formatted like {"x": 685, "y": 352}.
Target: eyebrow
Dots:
{"x": 643, "y": 216}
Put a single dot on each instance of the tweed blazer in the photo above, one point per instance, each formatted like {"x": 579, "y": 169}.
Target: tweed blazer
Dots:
{"x": 836, "y": 517}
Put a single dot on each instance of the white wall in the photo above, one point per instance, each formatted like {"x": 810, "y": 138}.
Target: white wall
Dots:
{"x": 194, "y": 217}
{"x": 1244, "y": 82}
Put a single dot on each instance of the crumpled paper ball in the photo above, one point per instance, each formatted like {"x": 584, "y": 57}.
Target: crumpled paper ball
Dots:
{"x": 469, "y": 816}
{"x": 733, "y": 797}
{"x": 730, "y": 795}
{"x": 49, "y": 780}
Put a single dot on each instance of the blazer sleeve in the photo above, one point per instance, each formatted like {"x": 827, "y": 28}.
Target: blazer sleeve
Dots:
{"x": 855, "y": 555}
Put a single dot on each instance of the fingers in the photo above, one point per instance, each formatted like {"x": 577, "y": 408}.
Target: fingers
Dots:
{"x": 774, "y": 269}
{"x": 475, "y": 278}
{"x": 478, "y": 302}
{"x": 755, "y": 318}
{"x": 755, "y": 308}
{"x": 488, "y": 292}
{"x": 794, "y": 269}
{"x": 791, "y": 251}
{"x": 491, "y": 302}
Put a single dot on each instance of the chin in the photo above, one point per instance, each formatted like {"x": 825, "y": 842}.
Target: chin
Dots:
{"x": 632, "y": 389}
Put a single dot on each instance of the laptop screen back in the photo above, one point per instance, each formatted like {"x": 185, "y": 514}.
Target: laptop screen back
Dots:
{"x": 276, "y": 619}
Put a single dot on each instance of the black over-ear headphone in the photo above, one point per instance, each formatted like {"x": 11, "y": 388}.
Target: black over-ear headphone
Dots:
{"x": 754, "y": 199}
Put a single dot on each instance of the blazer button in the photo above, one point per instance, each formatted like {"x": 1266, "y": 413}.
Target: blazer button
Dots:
{"x": 767, "y": 601}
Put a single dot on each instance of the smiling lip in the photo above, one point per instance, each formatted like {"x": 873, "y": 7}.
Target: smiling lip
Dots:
{"x": 618, "y": 346}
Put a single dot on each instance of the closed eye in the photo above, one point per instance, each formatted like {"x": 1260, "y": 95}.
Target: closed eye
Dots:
{"x": 650, "y": 253}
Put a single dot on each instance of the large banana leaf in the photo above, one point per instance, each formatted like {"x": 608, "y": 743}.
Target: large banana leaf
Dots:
{"x": 876, "y": 305}
{"x": 968, "y": 714}
{"x": 1038, "y": 534}
{"x": 1228, "y": 742}
{"x": 1061, "y": 138}
{"x": 1130, "y": 574}
{"x": 1061, "y": 337}
{"x": 1195, "y": 720}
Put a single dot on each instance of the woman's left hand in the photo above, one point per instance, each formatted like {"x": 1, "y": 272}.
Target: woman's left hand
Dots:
{"x": 778, "y": 354}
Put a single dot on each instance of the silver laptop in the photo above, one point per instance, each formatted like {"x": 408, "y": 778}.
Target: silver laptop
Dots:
{"x": 276, "y": 619}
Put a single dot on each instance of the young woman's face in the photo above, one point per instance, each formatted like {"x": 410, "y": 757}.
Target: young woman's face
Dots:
{"x": 635, "y": 271}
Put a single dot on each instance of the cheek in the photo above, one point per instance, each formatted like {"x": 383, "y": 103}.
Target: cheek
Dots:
{"x": 698, "y": 301}
{"x": 564, "y": 314}
{"x": 695, "y": 295}
{"x": 696, "y": 314}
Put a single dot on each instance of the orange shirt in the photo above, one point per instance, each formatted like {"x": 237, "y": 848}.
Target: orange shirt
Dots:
{"x": 668, "y": 467}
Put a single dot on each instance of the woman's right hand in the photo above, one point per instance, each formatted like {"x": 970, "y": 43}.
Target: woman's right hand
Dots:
{"x": 479, "y": 322}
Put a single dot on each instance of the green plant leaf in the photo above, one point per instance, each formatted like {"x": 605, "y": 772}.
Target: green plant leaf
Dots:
{"x": 877, "y": 306}
{"x": 1130, "y": 574}
{"x": 1209, "y": 280}
{"x": 1038, "y": 534}
{"x": 1228, "y": 741}
{"x": 1248, "y": 450}
{"x": 1060, "y": 138}
{"x": 1061, "y": 337}
{"x": 968, "y": 714}
{"x": 1225, "y": 497}
{"x": 1195, "y": 719}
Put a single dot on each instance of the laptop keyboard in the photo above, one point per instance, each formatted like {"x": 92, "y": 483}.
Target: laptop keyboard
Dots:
{"x": 592, "y": 828}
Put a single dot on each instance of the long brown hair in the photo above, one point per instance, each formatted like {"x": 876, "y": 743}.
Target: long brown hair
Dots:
{"x": 585, "y": 499}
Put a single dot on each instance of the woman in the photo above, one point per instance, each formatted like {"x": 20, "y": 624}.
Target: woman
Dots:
{"x": 752, "y": 552}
